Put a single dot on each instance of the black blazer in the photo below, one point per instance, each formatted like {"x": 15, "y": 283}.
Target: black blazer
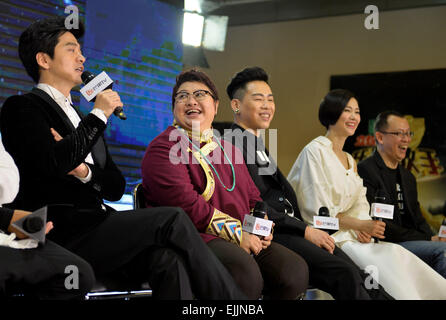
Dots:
{"x": 274, "y": 188}
{"x": 44, "y": 163}
{"x": 371, "y": 171}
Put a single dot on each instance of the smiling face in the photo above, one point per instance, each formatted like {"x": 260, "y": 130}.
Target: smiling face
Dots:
{"x": 391, "y": 147}
{"x": 256, "y": 107}
{"x": 65, "y": 68}
{"x": 348, "y": 120}
{"x": 195, "y": 111}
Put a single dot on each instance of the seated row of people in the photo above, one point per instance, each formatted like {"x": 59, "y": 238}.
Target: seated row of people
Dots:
{"x": 325, "y": 175}
{"x": 190, "y": 242}
{"x": 187, "y": 166}
{"x": 64, "y": 164}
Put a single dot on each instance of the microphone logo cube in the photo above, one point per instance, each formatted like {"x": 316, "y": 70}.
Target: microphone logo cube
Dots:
{"x": 321, "y": 222}
{"x": 381, "y": 210}
{"x": 257, "y": 226}
{"x": 96, "y": 85}
{"x": 442, "y": 232}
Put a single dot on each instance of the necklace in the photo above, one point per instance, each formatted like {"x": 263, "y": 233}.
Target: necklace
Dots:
{"x": 215, "y": 171}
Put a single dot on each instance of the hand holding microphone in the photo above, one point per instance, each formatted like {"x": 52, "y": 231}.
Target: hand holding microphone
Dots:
{"x": 258, "y": 225}
{"x": 323, "y": 225}
{"x": 261, "y": 211}
{"x": 374, "y": 228}
{"x": 251, "y": 243}
{"x": 30, "y": 224}
{"x": 108, "y": 101}
{"x": 18, "y": 214}
{"x": 379, "y": 210}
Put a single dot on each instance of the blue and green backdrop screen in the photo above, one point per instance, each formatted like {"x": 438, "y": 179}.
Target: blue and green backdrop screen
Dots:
{"x": 138, "y": 44}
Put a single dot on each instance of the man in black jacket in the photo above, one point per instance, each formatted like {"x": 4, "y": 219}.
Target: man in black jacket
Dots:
{"x": 384, "y": 176}
{"x": 330, "y": 268}
{"x": 64, "y": 162}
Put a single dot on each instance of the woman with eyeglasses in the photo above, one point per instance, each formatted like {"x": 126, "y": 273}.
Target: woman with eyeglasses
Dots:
{"x": 188, "y": 166}
{"x": 326, "y": 176}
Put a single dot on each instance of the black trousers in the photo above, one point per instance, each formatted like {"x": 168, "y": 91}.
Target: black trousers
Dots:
{"x": 334, "y": 273}
{"x": 276, "y": 271}
{"x": 161, "y": 246}
{"x": 42, "y": 273}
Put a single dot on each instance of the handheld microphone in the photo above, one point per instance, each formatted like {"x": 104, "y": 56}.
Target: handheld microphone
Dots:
{"x": 87, "y": 78}
{"x": 260, "y": 210}
{"x": 325, "y": 222}
{"x": 32, "y": 224}
{"x": 324, "y": 212}
{"x": 379, "y": 209}
{"x": 256, "y": 223}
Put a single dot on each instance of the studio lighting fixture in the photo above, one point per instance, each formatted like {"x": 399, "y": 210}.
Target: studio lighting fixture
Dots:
{"x": 200, "y": 30}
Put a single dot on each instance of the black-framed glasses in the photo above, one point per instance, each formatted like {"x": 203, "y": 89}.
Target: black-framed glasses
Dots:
{"x": 400, "y": 134}
{"x": 199, "y": 95}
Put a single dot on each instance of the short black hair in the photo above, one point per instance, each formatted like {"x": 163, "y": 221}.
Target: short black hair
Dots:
{"x": 333, "y": 105}
{"x": 43, "y": 36}
{"x": 240, "y": 80}
{"x": 194, "y": 75}
{"x": 381, "y": 119}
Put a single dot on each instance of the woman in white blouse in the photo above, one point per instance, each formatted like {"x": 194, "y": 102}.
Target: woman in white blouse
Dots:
{"x": 325, "y": 176}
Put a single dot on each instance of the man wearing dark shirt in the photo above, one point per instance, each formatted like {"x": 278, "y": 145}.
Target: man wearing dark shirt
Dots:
{"x": 384, "y": 176}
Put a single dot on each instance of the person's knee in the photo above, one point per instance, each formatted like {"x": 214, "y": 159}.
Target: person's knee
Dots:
{"x": 293, "y": 278}
{"x": 87, "y": 277}
{"x": 168, "y": 275}
{"x": 440, "y": 254}
{"x": 248, "y": 277}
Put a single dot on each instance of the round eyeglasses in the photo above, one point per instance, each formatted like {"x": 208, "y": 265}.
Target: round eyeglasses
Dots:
{"x": 199, "y": 95}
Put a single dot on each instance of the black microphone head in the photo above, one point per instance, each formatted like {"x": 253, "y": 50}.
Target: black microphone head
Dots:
{"x": 324, "y": 212}
{"x": 33, "y": 224}
{"x": 87, "y": 76}
{"x": 260, "y": 209}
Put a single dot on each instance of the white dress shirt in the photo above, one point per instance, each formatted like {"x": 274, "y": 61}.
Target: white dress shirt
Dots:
{"x": 65, "y": 104}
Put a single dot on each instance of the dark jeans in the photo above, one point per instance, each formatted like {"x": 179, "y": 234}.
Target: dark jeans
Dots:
{"x": 431, "y": 252}
{"x": 276, "y": 271}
